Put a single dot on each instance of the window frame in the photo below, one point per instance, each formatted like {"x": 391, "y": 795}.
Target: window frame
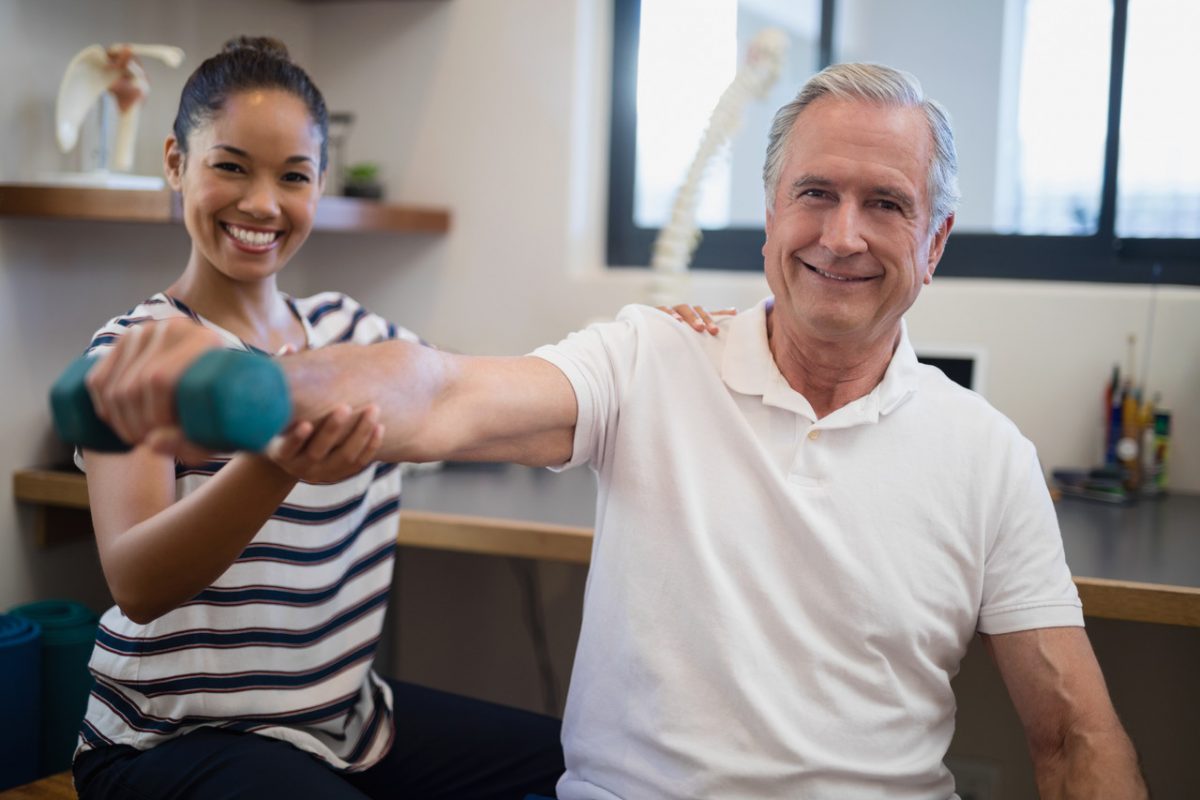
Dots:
{"x": 1100, "y": 257}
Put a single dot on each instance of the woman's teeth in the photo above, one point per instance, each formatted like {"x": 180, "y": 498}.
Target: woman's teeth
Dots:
{"x": 252, "y": 238}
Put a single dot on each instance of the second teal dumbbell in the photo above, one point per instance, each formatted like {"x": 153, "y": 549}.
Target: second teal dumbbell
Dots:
{"x": 227, "y": 400}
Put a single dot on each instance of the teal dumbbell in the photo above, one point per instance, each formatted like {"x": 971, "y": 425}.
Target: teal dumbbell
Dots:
{"x": 228, "y": 400}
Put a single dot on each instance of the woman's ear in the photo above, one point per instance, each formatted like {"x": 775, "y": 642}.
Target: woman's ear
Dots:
{"x": 173, "y": 163}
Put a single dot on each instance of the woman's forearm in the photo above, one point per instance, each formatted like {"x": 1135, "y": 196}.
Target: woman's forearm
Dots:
{"x": 165, "y": 560}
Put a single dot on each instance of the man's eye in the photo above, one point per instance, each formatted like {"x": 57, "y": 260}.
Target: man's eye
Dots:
{"x": 888, "y": 205}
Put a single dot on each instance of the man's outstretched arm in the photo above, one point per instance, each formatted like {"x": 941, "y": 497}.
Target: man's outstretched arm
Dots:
{"x": 433, "y": 405}
{"x": 436, "y": 405}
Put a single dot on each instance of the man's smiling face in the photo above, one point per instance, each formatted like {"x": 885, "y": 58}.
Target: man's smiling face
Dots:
{"x": 848, "y": 242}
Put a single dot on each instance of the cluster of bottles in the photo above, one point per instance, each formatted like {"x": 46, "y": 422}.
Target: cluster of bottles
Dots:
{"x": 1138, "y": 434}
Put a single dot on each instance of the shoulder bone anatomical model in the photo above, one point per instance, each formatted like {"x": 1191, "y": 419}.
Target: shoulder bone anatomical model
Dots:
{"x": 91, "y": 73}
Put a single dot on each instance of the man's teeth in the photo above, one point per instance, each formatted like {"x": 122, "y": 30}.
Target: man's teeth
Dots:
{"x": 822, "y": 272}
{"x": 252, "y": 238}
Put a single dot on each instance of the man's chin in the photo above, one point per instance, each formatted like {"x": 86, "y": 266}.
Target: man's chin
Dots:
{"x": 841, "y": 325}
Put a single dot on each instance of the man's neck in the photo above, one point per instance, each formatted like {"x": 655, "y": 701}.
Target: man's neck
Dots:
{"x": 830, "y": 374}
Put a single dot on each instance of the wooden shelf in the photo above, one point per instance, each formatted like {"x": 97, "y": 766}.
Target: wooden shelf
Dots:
{"x": 491, "y": 536}
{"x": 334, "y": 213}
{"x": 113, "y": 205}
{"x": 61, "y": 501}
{"x": 50, "y": 487}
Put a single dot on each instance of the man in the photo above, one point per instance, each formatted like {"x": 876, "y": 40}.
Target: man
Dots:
{"x": 799, "y": 528}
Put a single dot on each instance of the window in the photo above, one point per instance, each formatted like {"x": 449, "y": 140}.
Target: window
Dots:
{"x": 1076, "y": 158}
{"x": 1158, "y": 174}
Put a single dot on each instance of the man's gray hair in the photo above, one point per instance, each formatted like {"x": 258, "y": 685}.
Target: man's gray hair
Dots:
{"x": 886, "y": 86}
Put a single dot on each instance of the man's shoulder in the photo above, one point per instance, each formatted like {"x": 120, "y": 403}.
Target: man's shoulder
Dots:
{"x": 636, "y": 326}
{"x": 639, "y": 340}
{"x": 661, "y": 328}
{"x": 946, "y": 402}
{"x": 644, "y": 315}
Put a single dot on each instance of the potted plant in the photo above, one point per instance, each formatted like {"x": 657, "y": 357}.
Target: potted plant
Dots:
{"x": 362, "y": 180}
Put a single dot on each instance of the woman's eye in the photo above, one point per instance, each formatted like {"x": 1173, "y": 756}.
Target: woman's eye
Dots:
{"x": 228, "y": 166}
{"x": 296, "y": 177}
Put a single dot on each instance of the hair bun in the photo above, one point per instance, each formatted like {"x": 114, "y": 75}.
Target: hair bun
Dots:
{"x": 266, "y": 45}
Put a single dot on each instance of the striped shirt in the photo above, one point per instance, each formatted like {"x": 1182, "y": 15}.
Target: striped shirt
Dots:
{"x": 282, "y": 643}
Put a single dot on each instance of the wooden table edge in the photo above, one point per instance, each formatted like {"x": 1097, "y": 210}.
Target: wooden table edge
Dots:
{"x": 1135, "y": 601}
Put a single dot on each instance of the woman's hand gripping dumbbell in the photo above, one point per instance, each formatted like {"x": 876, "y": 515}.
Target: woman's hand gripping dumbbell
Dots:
{"x": 169, "y": 383}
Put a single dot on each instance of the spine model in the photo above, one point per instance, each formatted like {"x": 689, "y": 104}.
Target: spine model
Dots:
{"x": 678, "y": 239}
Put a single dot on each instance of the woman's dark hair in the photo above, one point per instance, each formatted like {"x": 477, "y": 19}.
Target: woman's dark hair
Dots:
{"x": 247, "y": 62}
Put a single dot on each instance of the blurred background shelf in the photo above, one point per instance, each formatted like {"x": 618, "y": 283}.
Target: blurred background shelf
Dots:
{"x": 344, "y": 214}
{"x": 51, "y": 487}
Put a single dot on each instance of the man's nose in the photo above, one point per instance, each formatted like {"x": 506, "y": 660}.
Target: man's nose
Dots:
{"x": 842, "y": 232}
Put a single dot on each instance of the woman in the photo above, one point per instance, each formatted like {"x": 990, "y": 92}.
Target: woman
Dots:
{"x": 251, "y": 588}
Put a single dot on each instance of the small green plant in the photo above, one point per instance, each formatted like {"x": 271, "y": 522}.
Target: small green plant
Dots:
{"x": 362, "y": 172}
{"x": 362, "y": 180}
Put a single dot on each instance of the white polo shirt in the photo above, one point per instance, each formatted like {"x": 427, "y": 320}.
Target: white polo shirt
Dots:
{"x": 776, "y": 605}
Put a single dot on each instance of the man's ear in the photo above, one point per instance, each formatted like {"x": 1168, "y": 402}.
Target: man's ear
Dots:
{"x": 937, "y": 246}
{"x": 767, "y": 228}
{"x": 173, "y": 163}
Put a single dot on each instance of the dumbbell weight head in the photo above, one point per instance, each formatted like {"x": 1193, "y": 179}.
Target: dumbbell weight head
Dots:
{"x": 227, "y": 400}
{"x": 74, "y": 416}
{"x": 232, "y": 400}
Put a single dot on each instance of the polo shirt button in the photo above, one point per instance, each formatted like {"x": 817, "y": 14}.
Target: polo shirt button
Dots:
{"x": 814, "y": 434}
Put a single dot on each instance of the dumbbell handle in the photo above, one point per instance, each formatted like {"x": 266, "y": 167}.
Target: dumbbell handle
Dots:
{"x": 227, "y": 400}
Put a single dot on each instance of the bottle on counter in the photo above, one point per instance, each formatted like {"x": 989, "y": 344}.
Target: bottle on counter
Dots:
{"x": 1156, "y": 481}
{"x": 1129, "y": 443}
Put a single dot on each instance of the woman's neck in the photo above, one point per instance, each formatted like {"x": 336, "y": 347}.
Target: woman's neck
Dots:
{"x": 255, "y": 312}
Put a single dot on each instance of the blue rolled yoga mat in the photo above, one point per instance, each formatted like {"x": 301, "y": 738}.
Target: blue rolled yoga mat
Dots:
{"x": 68, "y": 635}
{"x": 20, "y": 700}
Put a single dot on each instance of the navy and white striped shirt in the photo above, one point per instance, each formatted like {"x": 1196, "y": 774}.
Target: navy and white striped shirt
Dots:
{"x": 282, "y": 643}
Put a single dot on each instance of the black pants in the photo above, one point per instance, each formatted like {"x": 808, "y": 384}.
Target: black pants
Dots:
{"x": 446, "y": 746}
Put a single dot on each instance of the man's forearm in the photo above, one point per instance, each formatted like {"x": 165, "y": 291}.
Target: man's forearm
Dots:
{"x": 1095, "y": 764}
{"x": 403, "y": 379}
{"x": 436, "y": 405}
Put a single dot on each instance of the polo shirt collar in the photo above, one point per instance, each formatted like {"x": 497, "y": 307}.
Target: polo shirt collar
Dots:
{"x": 747, "y": 367}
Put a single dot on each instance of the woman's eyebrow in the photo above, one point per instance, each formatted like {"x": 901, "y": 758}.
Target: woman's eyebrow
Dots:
{"x": 237, "y": 151}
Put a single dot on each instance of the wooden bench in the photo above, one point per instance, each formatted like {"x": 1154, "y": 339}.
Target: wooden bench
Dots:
{"x": 52, "y": 787}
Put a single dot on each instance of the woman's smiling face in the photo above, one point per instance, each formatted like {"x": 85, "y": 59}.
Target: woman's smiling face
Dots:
{"x": 249, "y": 180}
